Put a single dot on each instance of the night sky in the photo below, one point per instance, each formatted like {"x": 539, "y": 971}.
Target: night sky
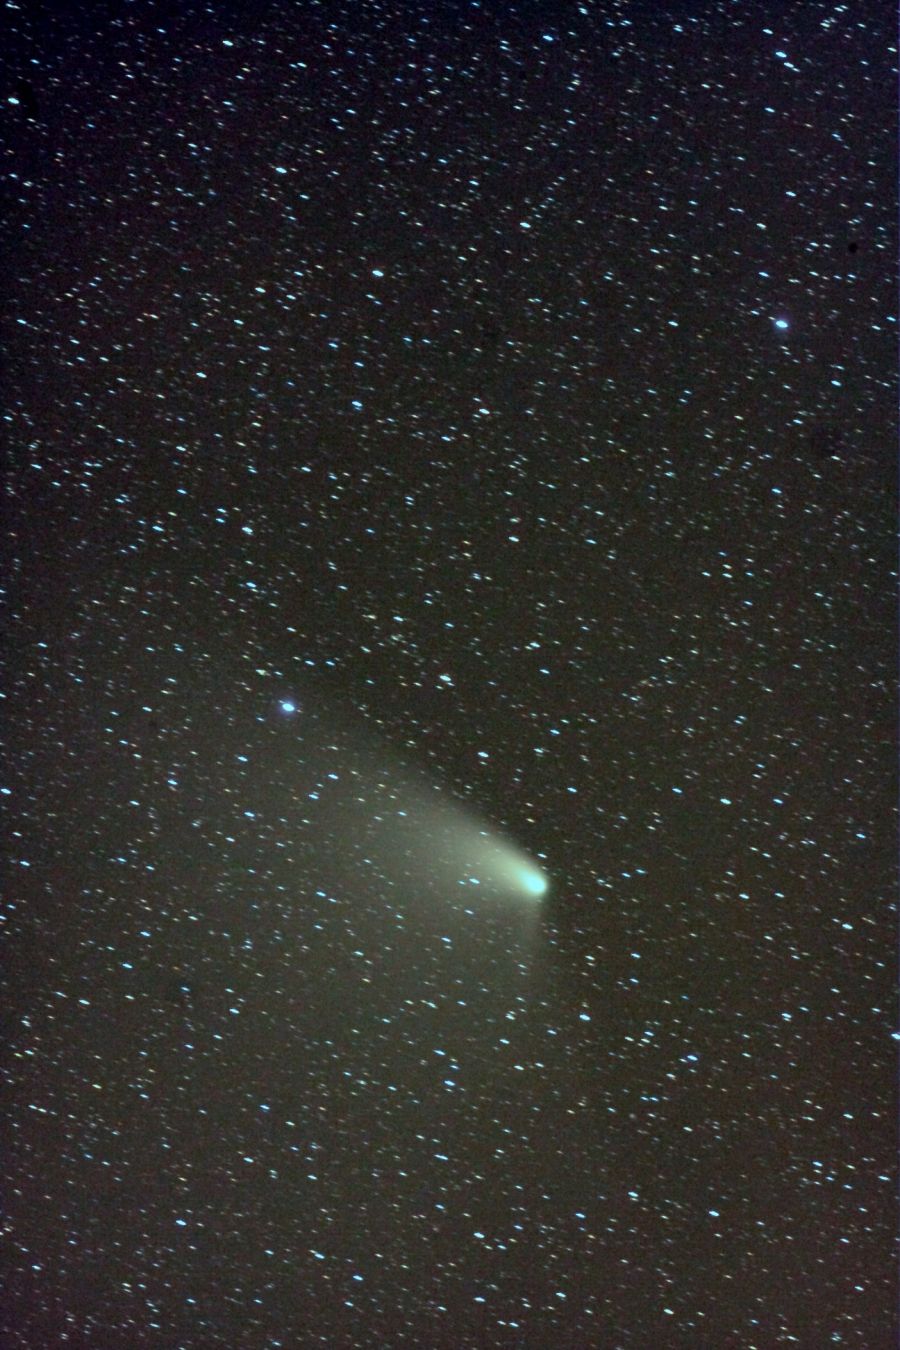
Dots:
{"x": 449, "y": 445}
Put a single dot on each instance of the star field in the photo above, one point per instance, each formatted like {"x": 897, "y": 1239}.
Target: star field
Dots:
{"x": 451, "y": 511}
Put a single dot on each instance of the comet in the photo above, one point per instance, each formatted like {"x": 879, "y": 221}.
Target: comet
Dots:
{"x": 483, "y": 858}
{"x": 405, "y": 826}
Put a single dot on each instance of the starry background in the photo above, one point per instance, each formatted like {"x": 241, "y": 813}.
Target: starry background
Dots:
{"x": 497, "y": 399}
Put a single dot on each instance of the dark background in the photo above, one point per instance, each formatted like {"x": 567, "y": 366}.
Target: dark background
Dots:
{"x": 351, "y": 346}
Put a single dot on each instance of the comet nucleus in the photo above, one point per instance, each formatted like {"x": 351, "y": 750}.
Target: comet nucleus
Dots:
{"x": 533, "y": 881}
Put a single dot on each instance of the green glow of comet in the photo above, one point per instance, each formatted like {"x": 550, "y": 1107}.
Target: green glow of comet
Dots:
{"x": 533, "y": 882}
